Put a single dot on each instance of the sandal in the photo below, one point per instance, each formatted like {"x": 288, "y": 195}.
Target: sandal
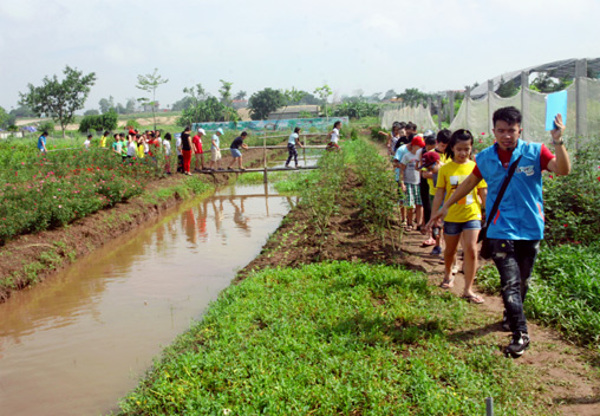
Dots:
{"x": 447, "y": 284}
{"x": 476, "y": 299}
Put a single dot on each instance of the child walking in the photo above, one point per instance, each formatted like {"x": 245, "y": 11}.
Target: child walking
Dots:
{"x": 410, "y": 178}
{"x": 464, "y": 217}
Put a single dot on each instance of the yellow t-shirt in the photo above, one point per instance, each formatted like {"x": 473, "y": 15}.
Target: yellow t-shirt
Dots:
{"x": 103, "y": 141}
{"x": 450, "y": 176}
{"x": 443, "y": 159}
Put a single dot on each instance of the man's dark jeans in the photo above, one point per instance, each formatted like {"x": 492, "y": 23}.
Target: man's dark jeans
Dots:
{"x": 514, "y": 260}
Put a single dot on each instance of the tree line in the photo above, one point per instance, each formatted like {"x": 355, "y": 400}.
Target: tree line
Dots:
{"x": 60, "y": 99}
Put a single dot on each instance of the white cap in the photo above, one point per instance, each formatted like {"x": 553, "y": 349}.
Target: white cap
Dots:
{"x": 201, "y": 131}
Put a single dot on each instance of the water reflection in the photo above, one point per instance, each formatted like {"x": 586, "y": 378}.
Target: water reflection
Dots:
{"x": 78, "y": 342}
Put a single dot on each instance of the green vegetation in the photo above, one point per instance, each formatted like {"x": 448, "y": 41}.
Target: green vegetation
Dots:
{"x": 105, "y": 121}
{"x": 572, "y": 202}
{"x": 59, "y": 99}
{"x": 332, "y": 338}
{"x": 264, "y": 102}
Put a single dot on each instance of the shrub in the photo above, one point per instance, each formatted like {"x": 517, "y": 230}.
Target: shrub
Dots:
{"x": 106, "y": 121}
{"x": 47, "y": 125}
{"x": 572, "y": 202}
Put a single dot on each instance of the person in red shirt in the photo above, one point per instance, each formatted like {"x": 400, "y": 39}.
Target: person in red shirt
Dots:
{"x": 197, "y": 147}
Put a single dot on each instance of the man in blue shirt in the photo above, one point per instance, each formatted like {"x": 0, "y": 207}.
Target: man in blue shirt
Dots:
{"x": 518, "y": 225}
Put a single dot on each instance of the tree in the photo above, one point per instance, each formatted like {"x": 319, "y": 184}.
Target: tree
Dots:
{"x": 106, "y": 121}
{"x": 92, "y": 112}
{"x": 22, "y": 111}
{"x": 208, "y": 110}
{"x": 546, "y": 83}
{"x": 149, "y": 83}
{"x": 264, "y": 102}
{"x": 225, "y": 92}
{"x": 241, "y": 95}
{"x": 106, "y": 104}
{"x": 390, "y": 94}
{"x": 412, "y": 96}
{"x": 59, "y": 99}
{"x": 130, "y": 106}
{"x": 324, "y": 92}
{"x": 507, "y": 89}
{"x": 6, "y": 119}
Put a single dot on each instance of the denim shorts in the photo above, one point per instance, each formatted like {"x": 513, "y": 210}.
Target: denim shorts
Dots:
{"x": 235, "y": 153}
{"x": 455, "y": 228}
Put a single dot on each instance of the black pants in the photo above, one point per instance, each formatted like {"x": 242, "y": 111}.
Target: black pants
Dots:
{"x": 514, "y": 260}
{"x": 292, "y": 153}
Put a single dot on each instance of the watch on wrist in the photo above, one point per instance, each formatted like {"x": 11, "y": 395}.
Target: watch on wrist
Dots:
{"x": 558, "y": 143}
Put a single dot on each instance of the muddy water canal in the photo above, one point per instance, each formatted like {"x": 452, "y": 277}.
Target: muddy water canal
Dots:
{"x": 78, "y": 342}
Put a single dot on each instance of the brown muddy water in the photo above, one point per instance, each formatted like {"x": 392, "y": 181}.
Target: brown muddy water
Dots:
{"x": 77, "y": 343}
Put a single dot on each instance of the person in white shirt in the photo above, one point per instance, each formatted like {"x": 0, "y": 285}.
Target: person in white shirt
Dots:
{"x": 293, "y": 140}
{"x": 334, "y": 137}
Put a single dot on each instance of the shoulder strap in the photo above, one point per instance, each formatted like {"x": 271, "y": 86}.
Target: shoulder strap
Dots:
{"x": 511, "y": 171}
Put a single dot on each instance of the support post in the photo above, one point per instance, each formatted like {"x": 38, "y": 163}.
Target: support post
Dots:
{"x": 525, "y": 103}
{"x": 440, "y": 112}
{"x": 265, "y": 150}
{"x": 580, "y": 101}
{"x": 466, "y": 102}
{"x": 490, "y": 94}
{"x": 450, "y": 106}
{"x": 489, "y": 406}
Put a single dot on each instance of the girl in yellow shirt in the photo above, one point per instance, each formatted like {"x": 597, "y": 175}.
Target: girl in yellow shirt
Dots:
{"x": 464, "y": 217}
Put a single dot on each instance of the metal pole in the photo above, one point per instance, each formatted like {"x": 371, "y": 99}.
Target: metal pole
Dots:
{"x": 489, "y": 406}
{"x": 466, "y": 103}
{"x": 525, "y": 104}
{"x": 451, "y": 106}
{"x": 580, "y": 101}
{"x": 440, "y": 112}
{"x": 490, "y": 93}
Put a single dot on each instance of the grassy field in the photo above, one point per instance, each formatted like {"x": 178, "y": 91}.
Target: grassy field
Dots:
{"x": 332, "y": 338}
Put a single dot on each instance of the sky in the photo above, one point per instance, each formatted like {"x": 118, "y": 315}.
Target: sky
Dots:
{"x": 352, "y": 46}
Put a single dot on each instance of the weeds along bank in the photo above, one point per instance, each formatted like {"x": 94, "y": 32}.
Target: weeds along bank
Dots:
{"x": 335, "y": 337}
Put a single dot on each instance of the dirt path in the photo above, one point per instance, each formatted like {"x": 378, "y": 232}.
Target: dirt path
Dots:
{"x": 567, "y": 378}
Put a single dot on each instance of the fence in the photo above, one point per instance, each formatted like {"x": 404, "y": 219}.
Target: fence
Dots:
{"x": 583, "y": 110}
{"x": 274, "y": 125}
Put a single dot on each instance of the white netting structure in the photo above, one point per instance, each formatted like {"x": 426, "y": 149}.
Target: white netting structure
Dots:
{"x": 583, "y": 112}
{"x": 420, "y": 115}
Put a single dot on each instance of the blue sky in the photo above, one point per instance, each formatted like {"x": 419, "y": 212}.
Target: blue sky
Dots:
{"x": 371, "y": 46}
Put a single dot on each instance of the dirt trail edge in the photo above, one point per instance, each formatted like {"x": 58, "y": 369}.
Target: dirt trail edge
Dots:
{"x": 569, "y": 381}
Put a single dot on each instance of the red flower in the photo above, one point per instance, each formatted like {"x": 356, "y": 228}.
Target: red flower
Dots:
{"x": 565, "y": 225}
{"x": 551, "y": 177}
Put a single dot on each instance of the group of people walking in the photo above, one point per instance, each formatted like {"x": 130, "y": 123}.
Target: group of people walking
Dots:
{"x": 445, "y": 189}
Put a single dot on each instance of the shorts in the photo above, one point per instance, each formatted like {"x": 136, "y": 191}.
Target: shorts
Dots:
{"x": 198, "y": 150}
{"x": 413, "y": 195}
{"x": 215, "y": 155}
{"x": 236, "y": 153}
{"x": 455, "y": 228}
